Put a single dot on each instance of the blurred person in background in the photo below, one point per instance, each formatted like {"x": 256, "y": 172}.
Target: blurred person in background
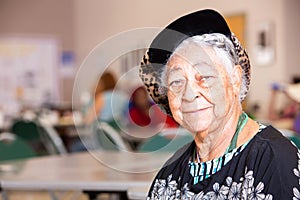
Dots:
{"x": 287, "y": 117}
{"x": 107, "y": 104}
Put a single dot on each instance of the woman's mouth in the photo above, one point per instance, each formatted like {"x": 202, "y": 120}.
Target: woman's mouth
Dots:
{"x": 195, "y": 110}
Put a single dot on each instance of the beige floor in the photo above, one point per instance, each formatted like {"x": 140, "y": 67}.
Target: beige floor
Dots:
{"x": 14, "y": 195}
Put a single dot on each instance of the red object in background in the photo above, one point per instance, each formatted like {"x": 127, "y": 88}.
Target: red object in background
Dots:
{"x": 144, "y": 112}
{"x": 171, "y": 123}
{"x": 139, "y": 118}
{"x": 143, "y": 119}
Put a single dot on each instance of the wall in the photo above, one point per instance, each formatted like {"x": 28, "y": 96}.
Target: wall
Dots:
{"x": 41, "y": 18}
{"x": 96, "y": 21}
{"x": 291, "y": 30}
{"x": 38, "y": 17}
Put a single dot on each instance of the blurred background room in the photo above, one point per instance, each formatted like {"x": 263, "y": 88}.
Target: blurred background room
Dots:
{"x": 54, "y": 52}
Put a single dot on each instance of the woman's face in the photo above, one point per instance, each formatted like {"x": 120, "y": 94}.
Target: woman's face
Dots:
{"x": 200, "y": 91}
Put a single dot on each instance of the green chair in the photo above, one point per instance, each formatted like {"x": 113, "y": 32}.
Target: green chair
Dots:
{"x": 43, "y": 139}
{"x": 52, "y": 141}
{"x": 109, "y": 138}
{"x": 28, "y": 131}
{"x": 162, "y": 143}
{"x": 13, "y": 147}
{"x": 296, "y": 140}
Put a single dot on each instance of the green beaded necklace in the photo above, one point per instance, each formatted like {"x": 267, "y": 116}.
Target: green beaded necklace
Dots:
{"x": 241, "y": 123}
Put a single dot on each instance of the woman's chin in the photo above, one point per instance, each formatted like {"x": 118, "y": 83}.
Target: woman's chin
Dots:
{"x": 196, "y": 127}
{"x": 196, "y": 122}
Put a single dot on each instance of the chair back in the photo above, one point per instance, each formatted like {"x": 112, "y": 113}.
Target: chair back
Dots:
{"x": 109, "y": 138}
{"x": 51, "y": 139}
{"x": 296, "y": 140}
{"x": 44, "y": 139}
{"x": 13, "y": 147}
{"x": 28, "y": 131}
{"x": 161, "y": 142}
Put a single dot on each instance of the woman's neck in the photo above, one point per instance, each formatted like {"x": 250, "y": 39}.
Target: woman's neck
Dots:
{"x": 213, "y": 143}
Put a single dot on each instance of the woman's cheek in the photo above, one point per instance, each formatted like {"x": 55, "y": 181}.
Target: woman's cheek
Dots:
{"x": 175, "y": 106}
{"x": 219, "y": 100}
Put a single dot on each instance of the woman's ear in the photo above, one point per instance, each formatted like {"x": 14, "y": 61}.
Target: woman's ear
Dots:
{"x": 236, "y": 78}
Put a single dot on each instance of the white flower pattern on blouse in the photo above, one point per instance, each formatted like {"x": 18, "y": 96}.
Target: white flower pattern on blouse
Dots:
{"x": 297, "y": 173}
{"x": 244, "y": 189}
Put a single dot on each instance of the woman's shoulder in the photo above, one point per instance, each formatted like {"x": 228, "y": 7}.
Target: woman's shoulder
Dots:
{"x": 272, "y": 136}
{"x": 279, "y": 157}
{"x": 271, "y": 141}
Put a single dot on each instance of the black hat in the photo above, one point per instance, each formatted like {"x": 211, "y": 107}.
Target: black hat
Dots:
{"x": 197, "y": 23}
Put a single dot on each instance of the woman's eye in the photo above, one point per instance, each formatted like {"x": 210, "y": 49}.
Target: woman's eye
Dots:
{"x": 206, "y": 79}
{"x": 177, "y": 85}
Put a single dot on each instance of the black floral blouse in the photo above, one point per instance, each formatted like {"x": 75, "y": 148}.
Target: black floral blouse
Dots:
{"x": 267, "y": 168}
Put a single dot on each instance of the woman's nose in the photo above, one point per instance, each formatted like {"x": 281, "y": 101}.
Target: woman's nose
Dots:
{"x": 191, "y": 92}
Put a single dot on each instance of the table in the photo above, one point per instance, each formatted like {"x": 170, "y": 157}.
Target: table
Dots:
{"x": 138, "y": 193}
{"x": 113, "y": 172}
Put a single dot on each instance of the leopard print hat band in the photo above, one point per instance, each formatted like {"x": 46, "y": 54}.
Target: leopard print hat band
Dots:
{"x": 164, "y": 44}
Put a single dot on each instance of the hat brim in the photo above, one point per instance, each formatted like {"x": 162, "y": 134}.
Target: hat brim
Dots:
{"x": 197, "y": 23}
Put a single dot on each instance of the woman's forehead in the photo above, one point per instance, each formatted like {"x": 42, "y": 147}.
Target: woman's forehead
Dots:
{"x": 192, "y": 54}
{"x": 199, "y": 59}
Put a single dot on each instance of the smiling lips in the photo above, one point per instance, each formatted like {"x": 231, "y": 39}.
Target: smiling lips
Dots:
{"x": 196, "y": 110}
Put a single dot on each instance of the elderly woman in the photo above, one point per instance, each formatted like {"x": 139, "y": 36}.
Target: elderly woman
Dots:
{"x": 199, "y": 73}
